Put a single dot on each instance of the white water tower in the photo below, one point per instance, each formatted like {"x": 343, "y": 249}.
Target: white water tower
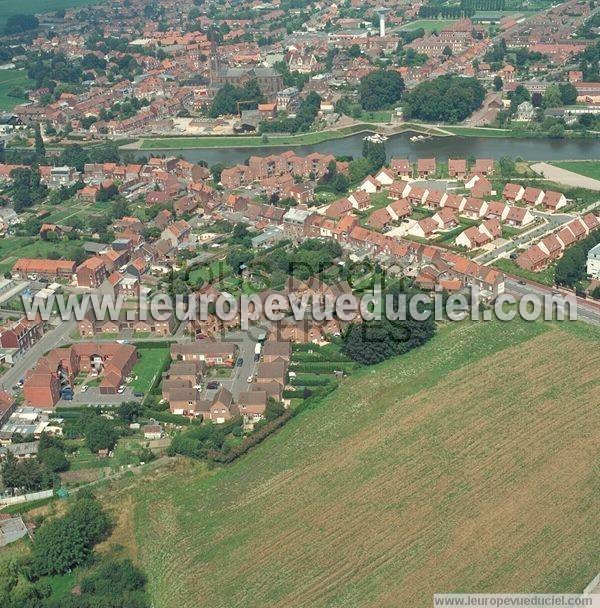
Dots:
{"x": 382, "y": 12}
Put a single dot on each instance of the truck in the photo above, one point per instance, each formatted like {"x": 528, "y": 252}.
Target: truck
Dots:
{"x": 257, "y": 349}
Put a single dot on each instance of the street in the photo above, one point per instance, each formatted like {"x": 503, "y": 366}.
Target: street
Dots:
{"x": 53, "y": 338}
{"x": 588, "y": 312}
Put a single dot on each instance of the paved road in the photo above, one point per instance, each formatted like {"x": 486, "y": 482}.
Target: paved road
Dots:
{"x": 53, "y": 338}
{"x": 567, "y": 178}
{"x": 238, "y": 382}
{"x": 552, "y": 222}
{"x": 586, "y": 311}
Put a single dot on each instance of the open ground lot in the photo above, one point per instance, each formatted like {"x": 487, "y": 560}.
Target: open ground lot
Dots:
{"x": 428, "y": 25}
{"x": 466, "y": 465}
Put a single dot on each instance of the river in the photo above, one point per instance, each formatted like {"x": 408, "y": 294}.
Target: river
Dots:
{"x": 400, "y": 146}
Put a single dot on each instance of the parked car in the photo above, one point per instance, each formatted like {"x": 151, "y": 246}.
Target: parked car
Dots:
{"x": 257, "y": 357}
{"x": 249, "y": 378}
{"x": 84, "y": 388}
{"x": 121, "y": 390}
{"x": 239, "y": 362}
{"x": 212, "y": 385}
{"x": 138, "y": 394}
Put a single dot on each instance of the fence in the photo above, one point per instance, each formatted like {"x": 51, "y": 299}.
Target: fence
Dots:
{"x": 14, "y": 500}
{"x": 595, "y": 582}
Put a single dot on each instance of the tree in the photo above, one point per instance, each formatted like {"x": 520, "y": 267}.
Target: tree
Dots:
{"x": 552, "y": 97}
{"x": 498, "y": 83}
{"x": 375, "y": 154}
{"x": 537, "y": 100}
{"x": 507, "y": 166}
{"x": 40, "y": 148}
{"x": 237, "y": 258}
{"x": 375, "y": 341}
{"x": 129, "y": 411}
{"x": 520, "y": 94}
{"x": 379, "y": 90}
{"x": 354, "y": 51}
{"x": 446, "y": 98}
{"x": 99, "y": 434}
{"x": 596, "y": 293}
{"x": 447, "y": 52}
{"x": 19, "y": 23}
{"x": 274, "y": 409}
{"x": 568, "y": 93}
{"x": 341, "y": 183}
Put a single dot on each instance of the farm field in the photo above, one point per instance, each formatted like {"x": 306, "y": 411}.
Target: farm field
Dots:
{"x": 10, "y": 79}
{"x": 589, "y": 168}
{"x": 453, "y": 468}
{"x": 10, "y": 7}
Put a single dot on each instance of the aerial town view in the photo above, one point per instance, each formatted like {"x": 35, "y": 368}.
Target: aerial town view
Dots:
{"x": 299, "y": 303}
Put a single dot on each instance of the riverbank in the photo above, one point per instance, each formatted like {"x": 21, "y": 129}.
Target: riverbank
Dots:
{"x": 256, "y": 141}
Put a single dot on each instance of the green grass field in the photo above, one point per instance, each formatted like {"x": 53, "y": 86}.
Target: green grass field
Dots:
{"x": 32, "y": 247}
{"x": 428, "y": 25}
{"x": 10, "y": 7}
{"x": 589, "y": 168}
{"x": 466, "y": 465}
{"x": 150, "y": 364}
{"x": 249, "y": 141}
{"x": 8, "y": 80}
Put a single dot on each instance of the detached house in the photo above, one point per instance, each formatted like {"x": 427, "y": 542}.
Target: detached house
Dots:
{"x": 426, "y": 167}
{"x": 401, "y": 167}
{"x": 533, "y": 196}
{"x": 553, "y": 201}
{"x": 513, "y": 192}
{"x": 457, "y": 168}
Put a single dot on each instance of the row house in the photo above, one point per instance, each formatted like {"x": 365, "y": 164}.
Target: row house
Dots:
{"x": 129, "y": 320}
{"x": 211, "y": 353}
{"x": 91, "y": 273}
{"x": 21, "y": 335}
{"x": 34, "y": 268}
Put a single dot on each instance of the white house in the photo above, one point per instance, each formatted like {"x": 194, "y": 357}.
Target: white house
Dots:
{"x": 593, "y": 262}
{"x": 385, "y": 177}
{"x": 370, "y": 185}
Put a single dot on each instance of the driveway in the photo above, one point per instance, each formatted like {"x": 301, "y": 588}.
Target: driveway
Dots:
{"x": 93, "y": 397}
{"x": 567, "y": 178}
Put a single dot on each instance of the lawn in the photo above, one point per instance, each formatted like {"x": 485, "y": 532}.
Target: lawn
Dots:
{"x": 479, "y": 131}
{"x": 13, "y": 248}
{"x": 589, "y": 168}
{"x": 453, "y": 468}
{"x": 151, "y": 363}
{"x": 10, "y": 79}
{"x": 10, "y": 7}
{"x": 545, "y": 277}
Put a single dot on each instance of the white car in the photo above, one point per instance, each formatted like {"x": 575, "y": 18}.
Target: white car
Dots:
{"x": 84, "y": 388}
{"x": 249, "y": 378}
{"x": 121, "y": 389}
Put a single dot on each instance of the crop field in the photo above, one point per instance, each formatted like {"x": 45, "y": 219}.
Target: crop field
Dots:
{"x": 11, "y": 7}
{"x": 465, "y": 465}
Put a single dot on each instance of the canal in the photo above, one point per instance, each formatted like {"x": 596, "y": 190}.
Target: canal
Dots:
{"x": 401, "y": 146}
